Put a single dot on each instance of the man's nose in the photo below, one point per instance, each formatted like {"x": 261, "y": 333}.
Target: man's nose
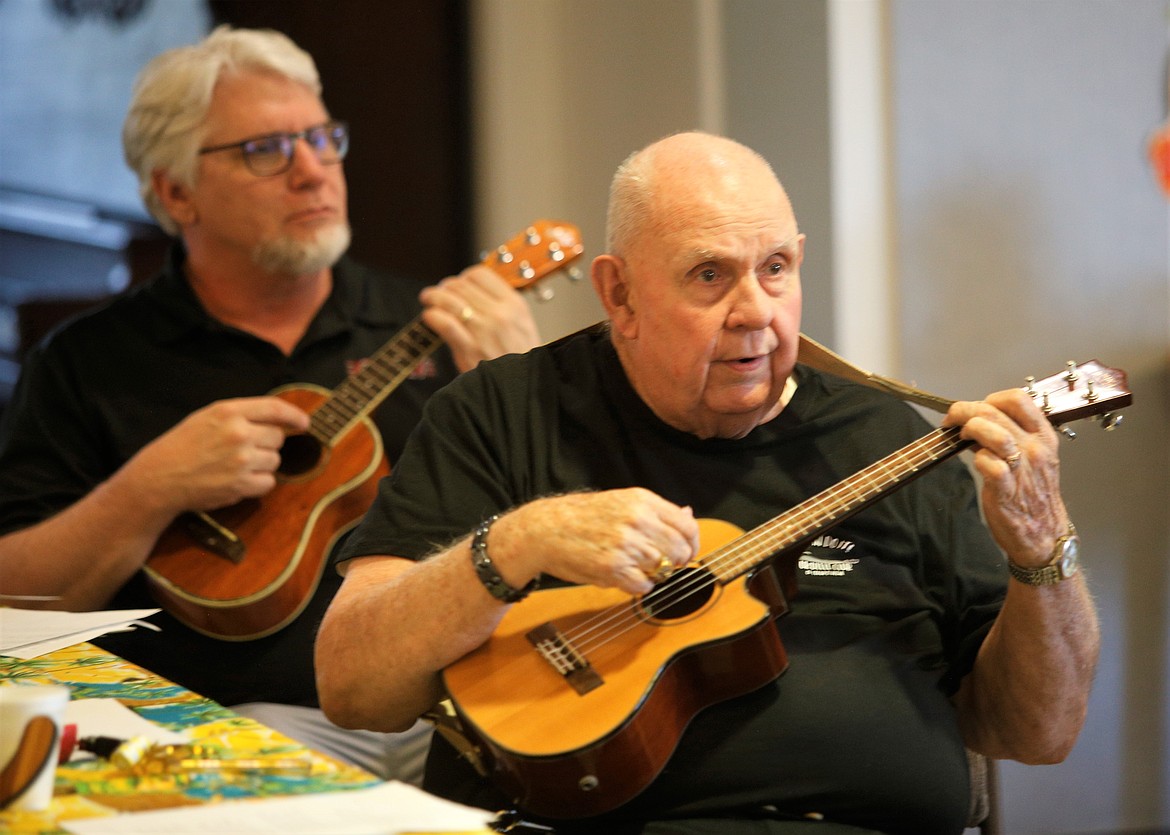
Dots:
{"x": 305, "y": 162}
{"x": 751, "y": 305}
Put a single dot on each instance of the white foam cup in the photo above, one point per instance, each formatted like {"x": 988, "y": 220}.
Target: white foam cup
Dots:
{"x": 29, "y": 744}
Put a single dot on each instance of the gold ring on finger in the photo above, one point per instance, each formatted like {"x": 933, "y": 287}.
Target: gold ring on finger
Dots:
{"x": 663, "y": 570}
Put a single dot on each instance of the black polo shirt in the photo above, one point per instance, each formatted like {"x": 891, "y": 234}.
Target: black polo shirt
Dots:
{"x": 105, "y": 384}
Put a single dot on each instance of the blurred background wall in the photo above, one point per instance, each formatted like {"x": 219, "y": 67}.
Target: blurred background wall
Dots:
{"x": 970, "y": 174}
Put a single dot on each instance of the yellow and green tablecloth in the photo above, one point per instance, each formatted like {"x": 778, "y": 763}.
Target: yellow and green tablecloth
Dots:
{"x": 94, "y": 787}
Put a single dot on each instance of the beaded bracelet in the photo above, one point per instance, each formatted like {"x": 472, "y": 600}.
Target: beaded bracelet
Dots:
{"x": 485, "y": 569}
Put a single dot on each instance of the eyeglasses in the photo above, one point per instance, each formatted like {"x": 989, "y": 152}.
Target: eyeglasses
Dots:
{"x": 273, "y": 154}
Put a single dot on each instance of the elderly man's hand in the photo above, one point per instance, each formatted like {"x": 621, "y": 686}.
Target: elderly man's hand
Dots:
{"x": 1016, "y": 455}
{"x": 610, "y": 538}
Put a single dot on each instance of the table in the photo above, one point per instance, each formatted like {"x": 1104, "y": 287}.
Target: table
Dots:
{"x": 90, "y": 788}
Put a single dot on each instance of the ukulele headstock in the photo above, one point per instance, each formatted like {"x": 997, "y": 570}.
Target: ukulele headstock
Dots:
{"x": 1080, "y": 391}
{"x": 540, "y": 250}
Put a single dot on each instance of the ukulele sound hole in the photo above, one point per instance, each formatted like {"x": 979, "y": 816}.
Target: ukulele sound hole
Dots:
{"x": 299, "y": 455}
{"x": 681, "y": 595}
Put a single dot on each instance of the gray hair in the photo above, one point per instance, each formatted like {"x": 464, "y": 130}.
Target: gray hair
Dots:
{"x": 629, "y": 202}
{"x": 165, "y": 124}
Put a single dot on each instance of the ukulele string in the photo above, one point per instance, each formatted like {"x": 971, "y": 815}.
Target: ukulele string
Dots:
{"x": 926, "y": 452}
{"x": 364, "y": 389}
{"x": 728, "y": 562}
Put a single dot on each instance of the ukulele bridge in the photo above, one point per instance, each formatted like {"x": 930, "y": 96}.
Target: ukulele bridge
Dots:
{"x": 221, "y": 541}
{"x": 569, "y": 663}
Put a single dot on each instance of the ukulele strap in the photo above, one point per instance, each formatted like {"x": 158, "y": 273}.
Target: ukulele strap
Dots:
{"x": 449, "y": 726}
{"x": 816, "y": 355}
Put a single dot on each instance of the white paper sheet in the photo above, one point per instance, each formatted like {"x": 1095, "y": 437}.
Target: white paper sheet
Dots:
{"x": 385, "y": 809}
{"x": 30, "y": 633}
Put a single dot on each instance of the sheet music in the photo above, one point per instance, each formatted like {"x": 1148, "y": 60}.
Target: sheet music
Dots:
{"x": 29, "y": 633}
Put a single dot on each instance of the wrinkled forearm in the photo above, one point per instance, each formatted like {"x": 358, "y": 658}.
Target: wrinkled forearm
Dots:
{"x": 395, "y": 625}
{"x": 1027, "y": 697}
{"x": 391, "y": 630}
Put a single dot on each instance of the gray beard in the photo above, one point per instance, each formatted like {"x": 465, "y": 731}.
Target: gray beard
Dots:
{"x": 286, "y": 256}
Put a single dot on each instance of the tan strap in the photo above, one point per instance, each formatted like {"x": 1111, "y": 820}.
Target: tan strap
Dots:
{"x": 815, "y": 354}
{"x": 450, "y": 727}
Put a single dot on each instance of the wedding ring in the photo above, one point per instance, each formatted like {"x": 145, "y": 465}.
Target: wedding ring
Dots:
{"x": 467, "y": 313}
{"x": 1013, "y": 459}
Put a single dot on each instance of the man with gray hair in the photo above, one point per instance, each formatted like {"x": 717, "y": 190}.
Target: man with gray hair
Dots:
{"x": 155, "y": 406}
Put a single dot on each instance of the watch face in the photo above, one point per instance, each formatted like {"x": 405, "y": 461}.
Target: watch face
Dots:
{"x": 1070, "y": 558}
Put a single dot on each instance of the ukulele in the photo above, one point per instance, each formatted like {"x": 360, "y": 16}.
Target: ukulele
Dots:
{"x": 581, "y": 695}
{"x": 247, "y": 570}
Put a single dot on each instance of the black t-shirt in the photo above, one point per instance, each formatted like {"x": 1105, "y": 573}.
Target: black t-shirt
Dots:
{"x": 106, "y": 384}
{"x": 892, "y": 604}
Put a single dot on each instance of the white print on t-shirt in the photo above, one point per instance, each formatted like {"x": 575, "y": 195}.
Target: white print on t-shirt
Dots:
{"x": 821, "y": 567}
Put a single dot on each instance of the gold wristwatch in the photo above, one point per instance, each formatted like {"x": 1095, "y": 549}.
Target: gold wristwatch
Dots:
{"x": 1065, "y": 562}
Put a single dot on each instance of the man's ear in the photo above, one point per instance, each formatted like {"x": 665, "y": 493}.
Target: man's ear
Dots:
{"x": 611, "y": 283}
{"x": 175, "y": 198}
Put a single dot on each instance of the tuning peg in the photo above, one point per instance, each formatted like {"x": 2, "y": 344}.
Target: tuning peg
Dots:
{"x": 575, "y": 273}
{"x": 1068, "y": 433}
{"x": 544, "y": 293}
{"x": 1070, "y": 376}
{"x": 1109, "y": 421}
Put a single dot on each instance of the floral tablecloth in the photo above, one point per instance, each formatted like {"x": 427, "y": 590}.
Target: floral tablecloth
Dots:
{"x": 95, "y": 787}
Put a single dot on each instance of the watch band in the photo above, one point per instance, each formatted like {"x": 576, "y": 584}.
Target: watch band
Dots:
{"x": 1049, "y": 575}
{"x": 485, "y": 569}
{"x": 1061, "y": 565}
